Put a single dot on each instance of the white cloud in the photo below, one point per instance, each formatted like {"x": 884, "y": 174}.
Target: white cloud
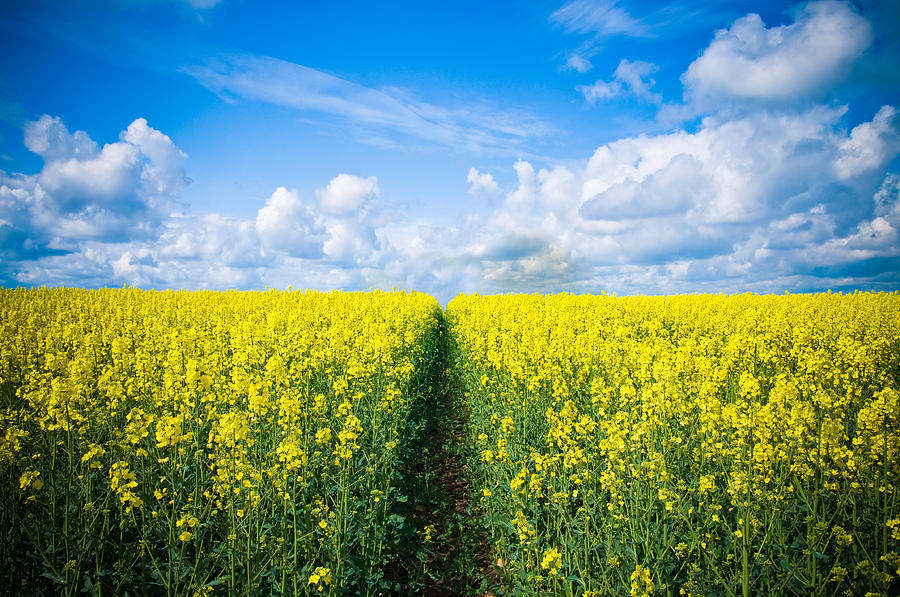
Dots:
{"x": 349, "y": 203}
{"x": 599, "y": 90}
{"x": 481, "y": 182}
{"x": 212, "y": 240}
{"x": 780, "y": 64}
{"x": 630, "y": 77}
{"x": 676, "y": 188}
{"x": 753, "y": 163}
{"x": 738, "y": 204}
{"x": 473, "y": 126}
{"x": 123, "y": 190}
{"x": 746, "y": 203}
{"x": 285, "y": 224}
{"x": 578, "y": 63}
{"x": 100, "y": 216}
{"x": 603, "y": 18}
{"x": 521, "y": 199}
{"x": 887, "y": 199}
{"x": 49, "y": 138}
{"x": 874, "y": 238}
{"x": 108, "y": 177}
{"x": 347, "y": 193}
{"x": 870, "y": 146}
{"x": 351, "y": 242}
{"x": 635, "y": 76}
{"x": 164, "y": 175}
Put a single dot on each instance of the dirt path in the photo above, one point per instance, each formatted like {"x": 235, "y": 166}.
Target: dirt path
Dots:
{"x": 443, "y": 549}
{"x": 452, "y": 548}
{"x": 459, "y": 558}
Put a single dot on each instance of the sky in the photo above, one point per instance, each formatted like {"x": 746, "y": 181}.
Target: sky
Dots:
{"x": 580, "y": 146}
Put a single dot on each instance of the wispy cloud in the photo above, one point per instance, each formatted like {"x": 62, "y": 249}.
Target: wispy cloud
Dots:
{"x": 599, "y": 20}
{"x": 202, "y": 4}
{"x": 602, "y": 18}
{"x": 476, "y": 127}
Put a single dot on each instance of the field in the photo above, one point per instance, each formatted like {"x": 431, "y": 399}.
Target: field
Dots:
{"x": 686, "y": 445}
{"x": 205, "y": 443}
{"x": 201, "y": 443}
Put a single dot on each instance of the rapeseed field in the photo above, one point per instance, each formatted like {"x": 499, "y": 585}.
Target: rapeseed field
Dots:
{"x": 204, "y": 443}
{"x": 256, "y": 443}
{"x": 692, "y": 445}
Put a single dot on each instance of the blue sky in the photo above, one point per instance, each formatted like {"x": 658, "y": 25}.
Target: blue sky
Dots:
{"x": 579, "y": 146}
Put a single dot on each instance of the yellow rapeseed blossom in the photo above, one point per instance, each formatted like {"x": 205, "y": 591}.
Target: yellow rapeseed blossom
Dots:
{"x": 320, "y": 576}
{"x": 552, "y": 561}
{"x": 642, "y": 584}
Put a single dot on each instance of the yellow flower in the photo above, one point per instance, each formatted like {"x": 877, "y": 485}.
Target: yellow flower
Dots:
{"x": 31, "y": 479}
{"x": 428, "y": 531}
{"x": 894, "y": 525}
{"x": 642, "y": 584}
{"x": 319, "y": 577}
{"x": 552, "y": 561}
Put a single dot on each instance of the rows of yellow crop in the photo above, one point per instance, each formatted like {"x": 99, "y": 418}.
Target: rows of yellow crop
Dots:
{"x": 701, "y": 445}
{"x": 190, "y": 443}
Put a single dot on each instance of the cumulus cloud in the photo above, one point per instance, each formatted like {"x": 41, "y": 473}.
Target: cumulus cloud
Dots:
{"x": 481, "y": 182}
{"x": 770, "y": 200}
{"x": 351, "y": 242}
{"x": 286, "y": 224}
{"x": 635, "y": 76}
{"x": 348, "y": 203}
{"x": 738, "y": 204}
{"x": 102, "y": 215}
{"x": 674, "y": 189}
{"x": 630, "y": 78}
{"x": 124, "y": 190}
{"x": 49, "y": 138}
{"x": 213, "y": 239}
{"x": 347, "y": 193}
{"x": 786, "y": 63}
{"x": 755, "y": 163}
{"x": 165, "y": 175}
{"x": 521, "y": 199}
{"x": 106, "y": 215}
{"x": 870, "y": 146}
{"x": 285, "y": 236}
